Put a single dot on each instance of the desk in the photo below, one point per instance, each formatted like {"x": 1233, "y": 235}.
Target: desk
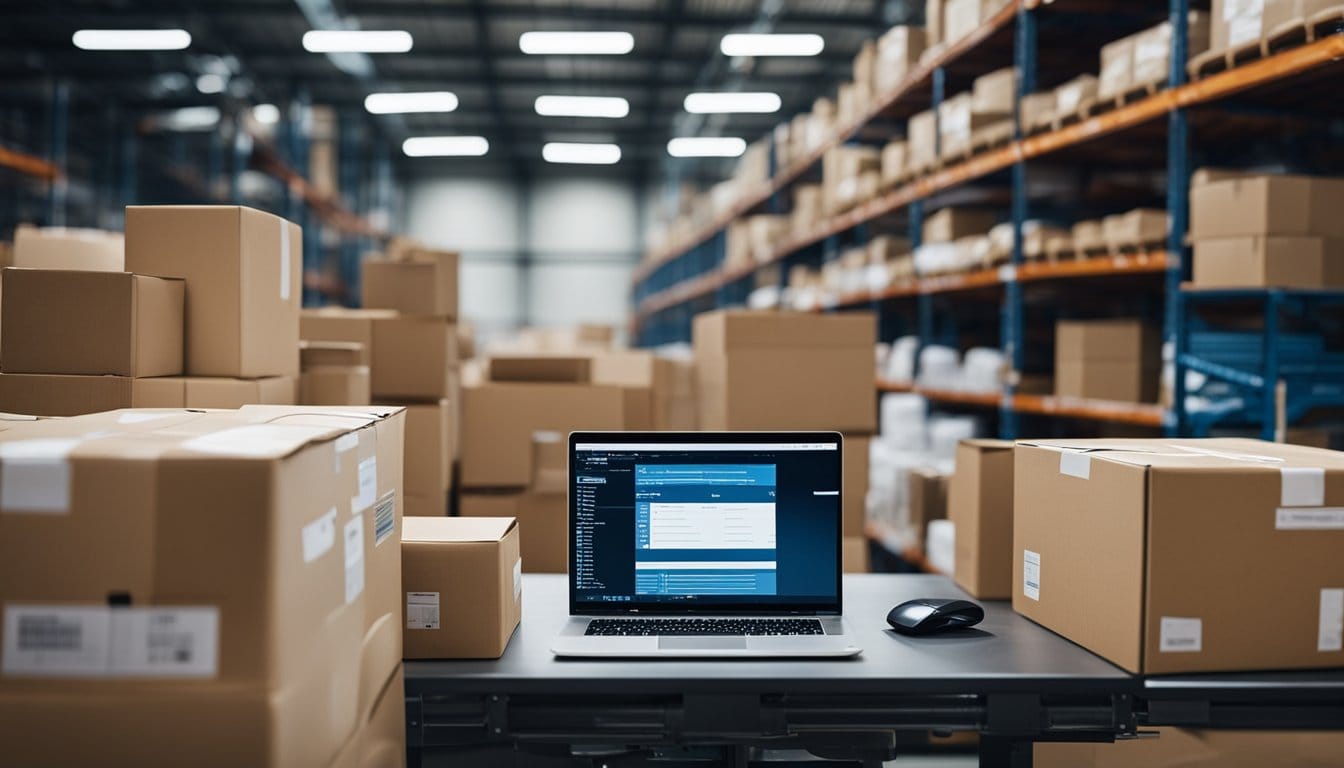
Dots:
{"x": 1010, "y": 680}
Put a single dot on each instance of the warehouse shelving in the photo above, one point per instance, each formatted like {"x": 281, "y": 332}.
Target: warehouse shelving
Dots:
{"x": 28, "y": 165}
{"x": 1135, "y": 414}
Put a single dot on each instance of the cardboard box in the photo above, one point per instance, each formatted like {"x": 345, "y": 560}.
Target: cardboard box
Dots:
{"x": 1152, "y": 48}
{"x": 409, "y": 358}
{"x": 429, "y": 506}
{"x": 952, "y": 224}
{"x": 1037, "y": 109}
{"x": 323, "y": 354}
{"x": 761, "y": 370}
{"x": 543, "y": 524}
{"x": 894, "y": 157}
{"x": 541, "y": 369}
{"x": 1279, "y": 13}
{"x": 382, "y": 737}
{"x": 243, "y": 283}
{"x": 1141, "y": 226}
{"x": 96, "y": 323}
{"x": 1107, "y": 360}
{"x": 898, "y": 53}
{"x": 922, "y": 137}
{"x": 1182, "y": 748}
{"x": 927, "y": 493}
{"x": 995, "y": 93}
{"x": 498, "y": 420}
{"x": 855, "y": 489}
{"x": 463, "y": 581}
{"x": 335, "y": 385}
{"x": 1102, "y": 551}
{"x": 1234, "y": 23}
{"x": 1071, "y": 96}
{"x": 62, "y": 395}
{"x": 91, "y": 250}
{"x": 1117, "y": 68}
{"x": 339, "y": 325}
{"x": 979, "y": 505}
{"x": 1269, "y": 262}
{"x": 958, "y": 122}
{"x": 933, "y": 22}
{"x": 960, "y": 18}
{"x": 426, "y": 284}
{"x": 1267, "y": 205}
{"x": 854, "y": 554}
{"x": 1088, "y": 236}
{"x": 429, "y": 457}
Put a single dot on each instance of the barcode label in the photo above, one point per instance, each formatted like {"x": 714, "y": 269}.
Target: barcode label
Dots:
{"x": 422, "y": 610}
{"x": 104, "y": 641}
{"x": 1178, "y": 635}
{"x": 49, "y": 633}
{"x": 1031, "y": 574}
{"x": 385, "y": 517}
{"x": 165, "y": 642}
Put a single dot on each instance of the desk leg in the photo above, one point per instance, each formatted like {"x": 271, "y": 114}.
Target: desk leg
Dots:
{"x": 999, "y": 752}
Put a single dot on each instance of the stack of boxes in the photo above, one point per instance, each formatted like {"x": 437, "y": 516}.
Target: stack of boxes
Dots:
{"x": 982, "y": 513}
{"x": 1116, "y": 360}
{"x": 211, "y": 292}
{"x": 1142, "y": 60}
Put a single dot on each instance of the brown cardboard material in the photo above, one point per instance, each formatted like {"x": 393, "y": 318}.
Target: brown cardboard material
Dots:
{"x": 66, "y": 248}
{"x": 1124, "y": 381}
{"x": 855, "y": 486}
{"x": 243, "y": 283}
{"x": 95, "y": 323}
{"x": 960, "y": 18}
{"x": 951, "y": 224}
{"x": 429, "y": 458}
{"x": 1070, "y": 96}
{"x": 1152, "y": 48}
{"x": 898, "y": 53}
{"x": 764, "y": 370}
{"x": 350, "y": 326}
{"x": 424, "y": 285}
{"x": 1107, "y": 360}
{"x": 854, "y": 554}
{"x": 1236, "y": 23}
{"x": 1117, "y": 68}
{"x": 894, "y": 157}
{"x": 546, "y": 368}
{"x": 463, "y": 585}
{"x": 980, "y": 508}
{"x": 922, "y": 136}
{"x": 933, "y": 22}
{"x": 928, "y": 499}
{"x": 61, "y": 395}
{"x": 335, "y": 385}
{"x": 995, "y": 93}
{"x": 1141, "y": 226}
{"x": 543, "y": 524}
{"x": 409, "y": 358}
{"x": 498, "y": 420}
{"x": 1269, "y": 262}
{"x": 1088, "y": 236}
{"x": 1037, "y": 109}
{"x": 958, "y": 122}
{"x": 1182, "y": 748}
{"x": 1266, "y": 205}
{"x": 382, "y": 739}
{"x": 321, "y": 354}
{"x": 1106, "y": 527}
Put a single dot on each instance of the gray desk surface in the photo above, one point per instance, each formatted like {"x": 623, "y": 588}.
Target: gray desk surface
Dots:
{"x": 1006, "y": 653}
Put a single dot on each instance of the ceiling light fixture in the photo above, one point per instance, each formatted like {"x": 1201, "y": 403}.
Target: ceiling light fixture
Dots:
{"x": 577, "y": 43}
{"x": 419, "y": 101}
{"x": 706, "y": 146}
{"x": 771, "y": 45}
{"x": 731, "y": 102}
{"x": 445, "y": 146}
{"x": 211, "y": 83}
{"x": 581, "y": 154}
{"x": 582, "y": 106}
{"x": 191, "y": 119}
{"x": 131, "y": 39}
{"x": 357, "y": 41}
{"x": 266, "y": 114}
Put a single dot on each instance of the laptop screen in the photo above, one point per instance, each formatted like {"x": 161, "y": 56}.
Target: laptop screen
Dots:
{"x": 705, "y": 522}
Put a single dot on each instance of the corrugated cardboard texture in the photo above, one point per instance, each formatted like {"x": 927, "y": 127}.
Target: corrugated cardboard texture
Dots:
{"x": 243, "y": 284}
{"x": 1266, "y": 205}
{"x": 94, "y": 323}
{"x": 429, "y": 458}
{"x": 1269, "y": 262}
{"x": 414, "y": 358}
{"x": 335, "y": 385}
{"x": 854, "y": 554}
{"x": 426, "y": 285}
{"x": 470, "y": 562}
{"x": 544, "y": 368}
{"x": 58, "y": 395}
{"x": 979, "y": 506}
{"x": 68, "y": 248}
{"x": 543, "y": 524}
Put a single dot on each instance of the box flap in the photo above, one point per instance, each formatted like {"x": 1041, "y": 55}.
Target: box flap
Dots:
{"x": 541, "y": 368}
{"x": 456, "y": 529}
{"x": 1233, "y": 453}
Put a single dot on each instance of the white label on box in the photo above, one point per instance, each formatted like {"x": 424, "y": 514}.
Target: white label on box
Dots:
{"x": 1309, "y": 519}
{"x": 165, "y": 642}
{"x": 354, "y": 559}
{"x": 1302, "y": 486}
{"x": 35, "y": 475}
{"x": 1178, "y": 635}
{"x": 1075, "y": 464}
{"x": 385, "y": 517}
{"x": 422, "y": 610}
{"x": 319, "y": 536}
{"x": 1031, "y": 574}
{"x": 368, "y": 486}
{"x": 56, "y": 640}
{"x": 111, "y": 641}
{"x": 284, "y": 260}
{"x": 517, "y": 578}
{"x": 1332, "y": 621}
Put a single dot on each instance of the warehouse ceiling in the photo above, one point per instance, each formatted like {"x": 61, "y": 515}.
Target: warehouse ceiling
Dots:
{"x": 469, "y": 47}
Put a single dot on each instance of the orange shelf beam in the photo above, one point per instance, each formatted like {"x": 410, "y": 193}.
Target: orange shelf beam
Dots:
{"x": 28, "y": 165}
{"x": 1139, "y": 414}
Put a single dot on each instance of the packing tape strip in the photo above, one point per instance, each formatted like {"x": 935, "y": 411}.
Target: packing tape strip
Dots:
{"x": 1302, "y": 486}
{"x": 284, "y": 260}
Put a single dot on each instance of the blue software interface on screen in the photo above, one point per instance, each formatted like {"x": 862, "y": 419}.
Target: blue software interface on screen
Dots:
{"x": 706, "y": 523}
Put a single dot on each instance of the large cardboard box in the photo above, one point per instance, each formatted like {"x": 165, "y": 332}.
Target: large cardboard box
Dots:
{"x": 1182, "y": 748}
{"x": 409, "y": 358}
{"x": 855, "y": 488}
{"x": 1141, "y": 226}
{"x": 335, "y": 385}
{"x": 1103, "y": 551}
{"x": 1152, "y": 48}
{"x": 1117, "y": 68}
{"x": 764, "y": 370}
{"x": 429, "y": 457}
{"x": 981, "y": 507}
{"x": 854, "y": 554}
{"x": 62, "y": 395}
{"x": 67, "y": 248}
{"x": 382, "y": 736}
{"x": 541, "y": 368}
{"x": 498, "y": 420}
{"x": 1266, "y": 205}
{"x": 59, "y": 321}
{"x": 463, "y": 580}
{"x": 927, "y": 494}
{"x": 243, "y": 284}
{"x": 426, "y": 284}
{"x": 995, "y": 93}
{"x": 922, "y": 136}
{"x": 543, "y": 524}
{"x": 898, "y": 53}
{"x": 1269, "y": 262}
{"x": 1107, "y": 360}
{"x": 952, "y": 224}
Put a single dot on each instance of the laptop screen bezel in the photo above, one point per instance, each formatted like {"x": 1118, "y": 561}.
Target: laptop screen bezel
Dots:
{"x": 831, "y": 608}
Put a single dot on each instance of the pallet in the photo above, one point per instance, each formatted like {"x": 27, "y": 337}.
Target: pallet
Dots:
{"x": 994, "y": 137}
{"x": 1290, "y": 34}
{"x": 1133, "y": 93}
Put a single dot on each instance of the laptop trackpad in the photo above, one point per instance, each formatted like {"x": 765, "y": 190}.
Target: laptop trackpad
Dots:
{"x": 693, "y": 643}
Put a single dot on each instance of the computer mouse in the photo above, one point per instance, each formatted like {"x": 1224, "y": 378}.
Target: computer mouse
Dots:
{"x": 926, "y": 617}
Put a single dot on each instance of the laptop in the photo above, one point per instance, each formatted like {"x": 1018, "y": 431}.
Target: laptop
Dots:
{"x": 705, "y": 544}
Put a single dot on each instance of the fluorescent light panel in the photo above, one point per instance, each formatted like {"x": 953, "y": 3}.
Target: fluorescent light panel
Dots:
{"x": 706, "y": 146}
{"x": 357, "y": 41}
{"x": 771, "y": 45}
{"x": 577, "y": 43}
{"x": 419, "y": 101}
{"x": 581, "y": 154}
{"x": 192, "y": 119}
{"x": 724, "y": 103}
{"x": 266, "y": 114}
{"x": 210, "y": 83}
{"x": 131, "y": 39}
{"x": 582, "y": 106}
{"x": 445, "y": 146}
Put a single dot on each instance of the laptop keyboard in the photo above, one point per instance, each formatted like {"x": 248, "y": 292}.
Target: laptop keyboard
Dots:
{"x": 645, "y": 627}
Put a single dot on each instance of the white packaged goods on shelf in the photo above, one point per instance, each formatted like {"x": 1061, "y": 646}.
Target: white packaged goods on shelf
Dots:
{"x": 767, "y": 297}
{"x": 944, "y": 433}
{"x": 901, "y": 421}
{"x": 939, "y": 367}
{"x": 982, "y": 369}
{"x": 889, "y": 470}
{"x": 940, "y": 545}
{"x": 900, "y": 367}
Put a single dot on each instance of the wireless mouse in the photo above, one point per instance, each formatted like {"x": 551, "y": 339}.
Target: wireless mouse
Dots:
{"x": 926, "y": 617}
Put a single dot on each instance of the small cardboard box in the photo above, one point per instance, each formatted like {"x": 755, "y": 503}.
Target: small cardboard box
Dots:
{"x": 952, "y": 224}
{"x": 855, "y": 484}
{"x": 1073, "y": 94}
{"x": 979, "y": 505}
{"x": 1141, "y": 226}
{"x": 898, "y": 53}
{"x": 960, "y": 18}
{"x": 1269, "y": 262}
{"x": 1037, "y": 109}
{"x": 335, "y": 385}
{"x": 382, "y": 736}
{"x": 429, "y": 457}
{"x": 894, "y": 162}
{"x": 463, "y": 581}
{"x": 1107, "y": 360}
{"x": 995, "y": 93}
{"x": 544, "y": 368}
{"x": 1088, "y": 236}
{"x": 922, "y": 136}
{"x": 409, "y": 358}
{"x": 928, "y": 498}
{"x": 854, "y": 554}
{"x": 92, "y": 250}
{"x": 1117, "y": 68}
{"x": 1267, "y": 205}
{"x": 426, "y": 284}
{"x": 94, "y": 323}
{"x": 543, "y": 524}
{"x": 243, "y": 285}
{"x": 1138, "y": 550}
{"x": 1152, "y": 48}
{"x": 61, "y": 395}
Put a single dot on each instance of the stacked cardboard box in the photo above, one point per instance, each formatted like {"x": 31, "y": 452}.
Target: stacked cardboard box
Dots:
{"x": 1142, "y": 60}
{"x": 1107, "y": 360}
{"x": 334, "y": 373}
{"x": 922, "y": 137}
{"x": 1102, "y": 555}
{"x": 67, "y": 248}
{"x": 1238, "y": 23}
{"x": 982, "y": 514}
{"x": 850, "y": 175}
{"x": 898, "y": 53}
{"x": 212, "y": 292}
{"x": 1266, "y": 231}
{"x": 165, "y": 641}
